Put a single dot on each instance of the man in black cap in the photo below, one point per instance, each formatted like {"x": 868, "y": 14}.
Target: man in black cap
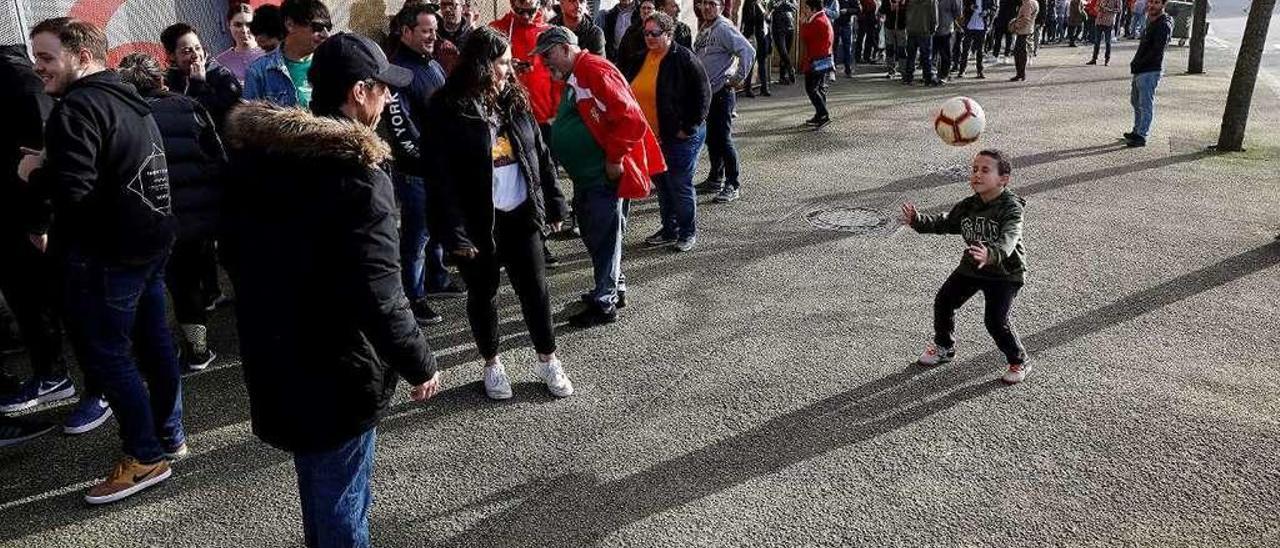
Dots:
{"x": 311, "y": 213}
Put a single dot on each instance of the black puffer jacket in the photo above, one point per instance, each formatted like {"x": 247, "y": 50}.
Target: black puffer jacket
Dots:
{"x": 308, "y": 237}
{"x": 459, "y": 172}
{"x": 106, "y": 173}
{"x": 196, "y": 162}
{"x": 684, "y": 96}
{"x": 218, "y": 92}
{"x": 23, "y": 106}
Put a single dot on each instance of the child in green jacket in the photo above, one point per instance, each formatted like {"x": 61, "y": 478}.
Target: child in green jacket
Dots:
{"x": 994, "y": 261}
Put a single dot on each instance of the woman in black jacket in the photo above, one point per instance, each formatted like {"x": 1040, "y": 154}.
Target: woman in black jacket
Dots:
{"x": 196, "y": 159}
{"x": 683, "y": 34}
{"x": 671, "y": 87}
{"x": 492, "y": 194}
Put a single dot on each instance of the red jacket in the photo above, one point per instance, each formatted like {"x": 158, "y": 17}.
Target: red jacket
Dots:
{"x": 614, "y": 118}
{"x": 537, "y": 80}
{"x": 817, "y": 36}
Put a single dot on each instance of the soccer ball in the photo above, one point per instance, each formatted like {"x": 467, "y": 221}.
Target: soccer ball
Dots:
{"x": 960, "y": 121}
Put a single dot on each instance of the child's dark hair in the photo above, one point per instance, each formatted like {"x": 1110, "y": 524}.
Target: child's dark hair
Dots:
{"x": 1003, "y": 165}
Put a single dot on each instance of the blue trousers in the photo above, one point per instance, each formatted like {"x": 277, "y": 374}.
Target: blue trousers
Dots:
{"x": 421, "y": 259}
{"x": 1142, "y": 95}
{"x": 921, "y": 45}
{"x": 117, "y": 322}
{"x": 333, "y": 488}
{"x": 602, "y": 217}
{"x": 844, "y": 45}
{"x": 677, "y": 203}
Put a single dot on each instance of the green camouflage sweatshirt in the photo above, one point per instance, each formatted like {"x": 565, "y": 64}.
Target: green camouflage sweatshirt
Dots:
{"x": 997, "y": 225}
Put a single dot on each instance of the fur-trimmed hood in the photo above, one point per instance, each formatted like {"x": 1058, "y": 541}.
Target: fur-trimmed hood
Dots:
{"x": 291, "y": 132}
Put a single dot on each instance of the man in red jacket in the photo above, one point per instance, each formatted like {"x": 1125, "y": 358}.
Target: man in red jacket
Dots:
{"x": 602, "y": 139}
{"x": 817, "y": 36}
{"x": 522, "y": 25}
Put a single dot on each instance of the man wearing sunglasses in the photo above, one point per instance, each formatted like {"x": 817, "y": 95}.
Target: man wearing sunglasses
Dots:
{"x": 281, "y": 76}
{"x": 455, "y": 27}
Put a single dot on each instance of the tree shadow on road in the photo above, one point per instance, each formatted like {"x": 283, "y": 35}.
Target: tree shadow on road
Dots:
{"x": 578, "y": 509}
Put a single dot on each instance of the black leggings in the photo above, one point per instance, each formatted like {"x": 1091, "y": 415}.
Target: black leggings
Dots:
{"x": 31, "y": 285}
{"x": 519, "y": 249}
{"x": 999, "y": 295}
{"x": 187, "y": 278}
{"x": 782, "y": 36}
{"x": 815, "y": 84}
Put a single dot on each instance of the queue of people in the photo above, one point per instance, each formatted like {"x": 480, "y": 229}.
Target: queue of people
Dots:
{"x": 306, "y": 162}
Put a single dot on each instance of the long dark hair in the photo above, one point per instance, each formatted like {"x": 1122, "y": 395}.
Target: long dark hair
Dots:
{"x": 472, "y": 77}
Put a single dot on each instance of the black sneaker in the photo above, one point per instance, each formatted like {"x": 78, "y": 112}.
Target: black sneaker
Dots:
{"x": 821, "y": 122}
{"x": 1135, "y": 142}
{"x": 450, "y": 291}
{"x": 15, "y": 431}
{"x": 549, "y": 259}
{"x": 710, "y": 186}
{"x": 424, "y": 314}
{"x": 593, "y": 316}
{"x": 659, "y": 239}
{"x": 194, "y": 361}
{"x": 1129, "y": 135}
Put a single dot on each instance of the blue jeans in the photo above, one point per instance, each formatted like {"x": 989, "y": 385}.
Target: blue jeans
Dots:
{"x": 115, "y": 312}
{"x": 922, "y": 45}
{"x": 1142, "y": 95}
{"x": 419, "y": 272}
{"x": 844, "y": 45}
{"x": 333, "y": 487}
{"x": 602, "y": 217}
{"x": 724, "y": 156}
{"x": 677, "y": 203}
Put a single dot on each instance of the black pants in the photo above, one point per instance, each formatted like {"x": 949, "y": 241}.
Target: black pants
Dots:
{"x": 31, "y": 285}
{"x": 782, "y": 36}
{"x": 973, "y": 41}
{"x": 815, "y": 84}
{"x": 187, "y": 278}
{"x": 999, "y": 294}
{"x": 763, "y": 47}
{"x": 864, "y": 48}
{"x": 1073, "y": 32}
{"x": 519, "y": 249}
{"x": 1003, "y": 38}
{"x": 942, "y": 48}
{"x": 1020, "y": 55}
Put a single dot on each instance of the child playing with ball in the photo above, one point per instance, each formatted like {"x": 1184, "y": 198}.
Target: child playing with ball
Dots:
{"x": 993, "y": 262}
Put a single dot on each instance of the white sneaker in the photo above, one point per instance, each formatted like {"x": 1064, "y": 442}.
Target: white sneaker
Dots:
{"x": 496, "y": 384}
{"x": 936, "y": 355}
{"x": 553, "y": 374}
{"x": 1017, "y": 372}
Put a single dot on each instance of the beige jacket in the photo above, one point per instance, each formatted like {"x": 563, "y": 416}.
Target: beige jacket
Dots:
{"x": 1025, "y": 23}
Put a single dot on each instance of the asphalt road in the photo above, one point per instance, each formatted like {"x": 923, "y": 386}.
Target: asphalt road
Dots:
{"x": 759, "y": 392}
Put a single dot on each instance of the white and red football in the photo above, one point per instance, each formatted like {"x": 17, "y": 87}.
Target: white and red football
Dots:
{"x": 960, "y": 121}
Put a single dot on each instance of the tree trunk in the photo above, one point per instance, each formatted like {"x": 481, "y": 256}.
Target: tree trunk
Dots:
{"x": 1240, "y": 95}
{"x": 1199, "y": 28}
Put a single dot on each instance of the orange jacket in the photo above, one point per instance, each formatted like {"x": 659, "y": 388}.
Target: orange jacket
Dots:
{"x": 536, "y": 79}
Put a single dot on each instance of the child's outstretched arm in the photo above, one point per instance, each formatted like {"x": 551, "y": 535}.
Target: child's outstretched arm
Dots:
{"x": 929, "y": 224}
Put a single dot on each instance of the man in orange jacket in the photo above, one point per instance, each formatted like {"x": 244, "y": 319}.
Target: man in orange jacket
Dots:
{"x": 601, "y": 138}
{"x": 522, "y": 25}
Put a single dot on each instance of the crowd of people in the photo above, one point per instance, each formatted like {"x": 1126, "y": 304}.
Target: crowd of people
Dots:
{"x": 307, "y": 162}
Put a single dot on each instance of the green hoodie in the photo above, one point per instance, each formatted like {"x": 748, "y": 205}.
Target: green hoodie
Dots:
{"x": 997, "y": 225}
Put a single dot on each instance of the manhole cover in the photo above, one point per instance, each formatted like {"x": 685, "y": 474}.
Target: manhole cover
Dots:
{"x": 848, "y": 219}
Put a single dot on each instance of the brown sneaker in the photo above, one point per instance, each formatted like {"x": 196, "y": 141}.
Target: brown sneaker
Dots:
{"x": 128, "y": 477}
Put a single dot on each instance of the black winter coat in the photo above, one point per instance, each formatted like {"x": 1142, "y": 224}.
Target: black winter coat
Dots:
{"x": 590, "y": 37}
{"x": 219, "y": 91}
{"x": 683, "y": 35}
{"x": 24, "y": 107}
{"x": 196, "y": 162}
{"x": 683, "y": 94}
{"x": 459, "y": 151}
{"x": 611, "y": 45}
{"x": 106, "y": 172}
{"x": 309, "y": 240}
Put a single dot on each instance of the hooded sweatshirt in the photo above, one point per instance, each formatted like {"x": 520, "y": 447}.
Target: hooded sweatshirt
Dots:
{"x": 996, "y": 224}
{"x": 106, "y": 172}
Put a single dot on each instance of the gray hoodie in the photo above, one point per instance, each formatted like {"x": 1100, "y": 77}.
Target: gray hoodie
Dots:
{"x": 948, "y": 12}
{"x": 718, "y": 45}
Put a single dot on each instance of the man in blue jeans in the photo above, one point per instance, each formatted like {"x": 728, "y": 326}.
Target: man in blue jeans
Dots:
{"x": 1146, "y": 66}
{"x": 308, "y": 211}
{"x": 717, "y": 46}
{"x": 113, "y": 230}
{"x": 421, "y": 258}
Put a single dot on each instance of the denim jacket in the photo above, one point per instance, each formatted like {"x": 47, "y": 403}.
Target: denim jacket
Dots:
{"x": 267, "y": 79}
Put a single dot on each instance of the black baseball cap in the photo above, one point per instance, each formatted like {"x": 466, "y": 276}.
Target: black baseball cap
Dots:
{"x": 553, "y": 37}
{"x": 346, "y": 58}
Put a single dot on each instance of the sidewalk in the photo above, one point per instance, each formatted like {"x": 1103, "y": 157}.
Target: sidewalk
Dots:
{"x": 758, "y": 392}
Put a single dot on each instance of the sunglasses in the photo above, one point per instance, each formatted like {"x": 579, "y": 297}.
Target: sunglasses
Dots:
{"x": 655, "y": 33}
{"x": 321, "y": 26}
{"x": 525, "y": 12}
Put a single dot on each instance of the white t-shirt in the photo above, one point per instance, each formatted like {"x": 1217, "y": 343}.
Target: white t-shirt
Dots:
{"x": 509, "y": 188}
